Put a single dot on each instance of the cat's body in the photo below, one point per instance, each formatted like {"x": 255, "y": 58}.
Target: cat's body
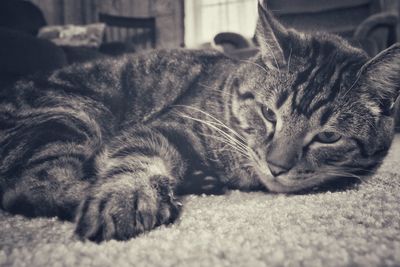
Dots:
{"x": 119, "y": 138}
{"x": 113, "y": 105}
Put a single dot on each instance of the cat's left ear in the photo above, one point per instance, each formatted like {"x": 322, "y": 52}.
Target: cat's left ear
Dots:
{"x": 381, "y": 77}
{"x": 272, "y": 37}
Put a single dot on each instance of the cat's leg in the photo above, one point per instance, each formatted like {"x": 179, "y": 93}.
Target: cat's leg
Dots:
{"x": 45, "y": 160}
{"x": 137, "y": 175}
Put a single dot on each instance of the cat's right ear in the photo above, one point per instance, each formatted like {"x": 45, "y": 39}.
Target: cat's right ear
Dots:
{"x": 380, "y": 76}
{"x": 272, "y": 37}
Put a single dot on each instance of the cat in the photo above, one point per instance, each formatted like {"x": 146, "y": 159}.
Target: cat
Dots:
{"x": 111, "y": 143}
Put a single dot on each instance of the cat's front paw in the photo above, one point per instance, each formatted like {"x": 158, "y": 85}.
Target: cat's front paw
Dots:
{"x": 121, "y": 210}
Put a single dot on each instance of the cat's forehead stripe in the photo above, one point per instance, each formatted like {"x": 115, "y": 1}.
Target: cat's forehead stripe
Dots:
{"x": 313, "y": 88}
{"x": 321, "y": 80}
{"x": 303, "y": 76}
{"x": 283, "y": 96}
{"x": 325, "y": 116}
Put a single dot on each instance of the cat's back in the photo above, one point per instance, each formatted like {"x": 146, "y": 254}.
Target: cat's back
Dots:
{"x": 140, "y": 84}
{"x": 154, "y": 69}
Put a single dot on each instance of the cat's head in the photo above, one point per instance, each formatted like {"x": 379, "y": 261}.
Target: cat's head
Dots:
{"x": 312, "y": 108}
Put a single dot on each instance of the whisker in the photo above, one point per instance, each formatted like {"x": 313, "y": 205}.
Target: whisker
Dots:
{"x": 228, "y": 93}
{"x": 362, "y": 119}
{"x": 217, "y": 120}
{"x": 236, "y": 141}
{"x": 351, "y": 87}
{"x": 272, "y": 54}
{"x": 290, "y": 56}
{"x": 228, "y": 142}
{"x": 255, "y": 64}
{"x": 230, "y": 149}
{"x": 216, "y": 89}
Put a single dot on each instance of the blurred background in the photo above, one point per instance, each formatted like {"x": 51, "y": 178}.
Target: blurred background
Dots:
{"x": 41, "y": 35}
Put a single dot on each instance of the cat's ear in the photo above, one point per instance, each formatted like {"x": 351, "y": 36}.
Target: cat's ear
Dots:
{"x": 271, "y": 36}
{"x": 381, "y": 77}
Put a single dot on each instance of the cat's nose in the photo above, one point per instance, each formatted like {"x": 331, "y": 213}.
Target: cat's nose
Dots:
{"x": 276, "y": 169}
{"x": 283, "y": 154}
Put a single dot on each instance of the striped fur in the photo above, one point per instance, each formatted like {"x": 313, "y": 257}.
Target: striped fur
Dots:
{"x": 112, "y": 143}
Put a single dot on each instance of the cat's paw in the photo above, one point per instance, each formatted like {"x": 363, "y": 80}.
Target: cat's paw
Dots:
{"x": 121, "y": 211}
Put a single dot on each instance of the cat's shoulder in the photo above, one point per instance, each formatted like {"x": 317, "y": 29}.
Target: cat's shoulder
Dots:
{"x": 151, "y": 62}
{"x": 178, "y": 56}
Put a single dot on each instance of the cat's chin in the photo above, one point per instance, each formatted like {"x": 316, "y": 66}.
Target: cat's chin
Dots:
{"x": 284, "y": 184}
{"x": 287, "y": 185}
{"x": 277, "y": 187}
{"x": 291, "y": 182}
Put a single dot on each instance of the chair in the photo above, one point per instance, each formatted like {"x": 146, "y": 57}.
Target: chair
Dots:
{"x": 362, "y": 22}
{"x": 139, "y": 31}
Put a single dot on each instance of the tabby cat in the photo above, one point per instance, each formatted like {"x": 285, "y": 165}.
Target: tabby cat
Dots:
{"x": 111, "y": 143}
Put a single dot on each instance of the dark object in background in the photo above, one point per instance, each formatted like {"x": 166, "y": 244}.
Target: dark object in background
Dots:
{"x": 22, "y": 54}
{"x": 21, "y": 16}
{"x": 139, "y": 31}
{"x": 362, "y": 22}
{"x": 231, "y": 40}
{"x": 78, "y": 54}
{"x": 117, "y": 48}
{"x": 235, "y": 45}
{"x": 397, "y": 115}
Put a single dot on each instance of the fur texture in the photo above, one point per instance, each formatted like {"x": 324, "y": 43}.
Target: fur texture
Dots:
{"x": 110, "y": 143}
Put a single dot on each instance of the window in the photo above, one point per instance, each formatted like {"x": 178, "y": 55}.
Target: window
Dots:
{"x": 205, "y": 18}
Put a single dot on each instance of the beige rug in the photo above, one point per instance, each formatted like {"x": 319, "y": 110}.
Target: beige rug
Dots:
{"x": 353, "y": 227}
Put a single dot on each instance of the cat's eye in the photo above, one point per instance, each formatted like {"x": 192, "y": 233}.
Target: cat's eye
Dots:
{"x": 328, "y": 137}
{"x": 268, "y": 114}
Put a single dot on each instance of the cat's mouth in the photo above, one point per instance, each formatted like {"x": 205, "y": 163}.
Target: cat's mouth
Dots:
{"x": 313, "y": 184}
{"x": 296, "y": 181}
{"x": 289, "y": 183}
{"x": 284, "y": 185}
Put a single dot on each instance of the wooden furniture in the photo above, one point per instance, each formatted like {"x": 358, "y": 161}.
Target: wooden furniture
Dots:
{"x": 139, "y": 31}
{"x": 363, "y": 22}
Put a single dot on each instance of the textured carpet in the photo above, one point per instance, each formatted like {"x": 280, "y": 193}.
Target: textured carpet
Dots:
{"x": 359, "y": 226}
